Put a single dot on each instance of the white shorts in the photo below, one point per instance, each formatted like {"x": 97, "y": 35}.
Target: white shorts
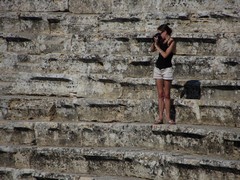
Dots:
{"x": 166, "y": 74}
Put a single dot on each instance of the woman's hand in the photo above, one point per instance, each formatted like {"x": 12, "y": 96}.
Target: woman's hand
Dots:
{"x": 155, "y": 41}
{"x": 171, "y": 48}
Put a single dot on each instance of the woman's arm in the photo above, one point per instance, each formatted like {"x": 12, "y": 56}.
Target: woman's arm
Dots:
{"x": 171, "y": 48}
{"x": 152, "y": 48}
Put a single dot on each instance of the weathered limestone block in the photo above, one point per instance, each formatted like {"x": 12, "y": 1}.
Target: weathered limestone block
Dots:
{"x": 37, "y": 44}
{"x": 127, "y": 24}
{"x": 229, "y": 45}
{"x": 172, "y": 6}
{"x": 60, "y": 85}
{"x": 124, "y": 88}
{"x": 3, "y": 47}
{"x": 95, "y": 109}
{"x": 33, "y": 5}
{"x": 206, "y": 89}
{"x": 49, "y": 22}
{"x": 147, "y": 23}
{"x": 53, "y": 44}
{"x": 33, "y": 24}
{"x": 81, "y": 24}
{"x": 189, "y": 67}
{"x": 206, "y": 67}
{"x": 31, "y": 174}
{"x": 119, "y": 110}
{"x": 28, "y": 109}
{"x": 53, "y": 63}
{"x": 98, "y": 45}
{"x": 201, "y": 111}
{"x": 20, "y": 43}
{"x": 9, "y": 20}
{"x": 16, "y": 133}
{"x": 120, "y": 162}
{"x": 90, "y": 6}
{"x": 220, "y": 90}
{"x": 8, "y": 61}
{"x": 203, "y": 22}
{"x": 208, "y": 140}
{"x": 187, "y": 111}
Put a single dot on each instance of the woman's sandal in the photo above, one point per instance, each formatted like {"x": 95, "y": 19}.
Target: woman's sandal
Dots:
{"x": 171, "y": 122}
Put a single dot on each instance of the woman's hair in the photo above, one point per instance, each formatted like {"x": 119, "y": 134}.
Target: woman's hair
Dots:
{"x": 165, "y": 27}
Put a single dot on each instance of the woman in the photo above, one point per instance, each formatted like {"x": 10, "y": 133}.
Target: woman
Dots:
{"x": 163, "y": 72}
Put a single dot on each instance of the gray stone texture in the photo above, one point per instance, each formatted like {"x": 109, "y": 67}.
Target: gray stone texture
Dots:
{"x": 77, "y": 97}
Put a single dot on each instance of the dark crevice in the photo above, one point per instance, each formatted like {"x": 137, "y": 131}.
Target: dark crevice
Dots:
{"x": 100, "y": 158}
{"x": 54, "y": 129}
{"x": 34, "y": 142}
{"x": 221, "y": 169}
{"x": 182, "y": 134}
{"x": 123, "y": 39}
{"x": 26, "y": 18}
{"x": 103, "y": 80}
{"x": 200, "y": 40}
{"x": 226, "y": 87}
{"x": 52, "y": 59}
{"x": 231, "y": 63}
{"x": 50, "y": 79}
{"x": 122, "y": 20}
{"x": 222, "y": 16}
{"x": 105, "y": 105}
{"x": 208, "y": 168}
{"x": 67, "y": 106}
{"x": 144, "y": 39}
{"x": 128, "y": 160}
{"x": 17, "y": 39}
{"x": 176, "y": 86}
{"x": 107, "y": 81}
{"x": 53, "y": 20}
{"x": 90, "y": 60}
{"x": 146, "y": 63}
{"x": 65, "y": 10}
{"x": 236, "y": 144}
{"x": 203, "y": 16}
{"x": 22, "y": 129}
{"x": 26, "y": 176}
{"x": 127, "y": 84}
{"x": 178, "y": 18}
{"x": 44, "y": 178}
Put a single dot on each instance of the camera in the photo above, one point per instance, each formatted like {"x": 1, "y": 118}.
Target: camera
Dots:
{"x": 158, "y": 35}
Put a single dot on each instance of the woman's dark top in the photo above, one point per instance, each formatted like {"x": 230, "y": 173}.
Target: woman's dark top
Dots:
{"x": 162, "y": 62}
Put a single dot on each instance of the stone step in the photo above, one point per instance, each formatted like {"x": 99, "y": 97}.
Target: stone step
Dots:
{"x": 27, "y": 6}
{"x": 56, "y": 22}
{"x": 205, "y": 140}
{"x": 114, "y": 86}
{"x": 26, "y": 43}
{"x": 5, "y": 87}
{"x": 206, "y": 89}
{"x": 192, "y": 44}
{"x": 135, "y": 66}
{"x": 131, "y": 162}
{"x": 23, "y": 174}
{"x": 187, "y": 111}
{"x": 206, "y": 67}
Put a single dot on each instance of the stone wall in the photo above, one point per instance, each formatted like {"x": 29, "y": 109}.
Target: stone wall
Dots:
{"x": 77, "y": 94}
{"x": 89, "y": 49}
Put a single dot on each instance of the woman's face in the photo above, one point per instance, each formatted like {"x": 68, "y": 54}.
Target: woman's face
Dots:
{"x": 163, "y": 34}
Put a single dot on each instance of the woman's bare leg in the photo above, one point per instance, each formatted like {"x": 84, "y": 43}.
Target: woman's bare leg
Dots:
{"x": 160, "y": 92}
{"x": 167, "y": 91}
